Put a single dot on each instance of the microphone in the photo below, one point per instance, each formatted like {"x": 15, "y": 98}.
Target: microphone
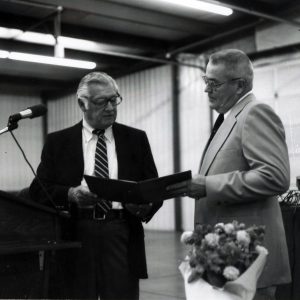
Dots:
{"x": 31, "y": 112}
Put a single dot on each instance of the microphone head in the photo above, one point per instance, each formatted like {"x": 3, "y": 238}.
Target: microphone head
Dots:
{"x": 38, "y": 110}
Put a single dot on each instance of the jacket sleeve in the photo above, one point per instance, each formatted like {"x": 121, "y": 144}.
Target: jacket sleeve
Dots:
{"x": 47, "y": 188}
{"x": 149, "y": 171}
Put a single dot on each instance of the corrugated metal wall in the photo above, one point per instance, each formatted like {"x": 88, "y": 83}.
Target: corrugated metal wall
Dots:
{"x": 278, "y": 84}
{"x": 15, "y": 174}
{"x": 63, "y": 112}
{"x": 195, "y": 128}
{"x": 148, "y": 106}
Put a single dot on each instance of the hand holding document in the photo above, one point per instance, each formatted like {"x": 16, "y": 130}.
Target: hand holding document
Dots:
{"x": 194, "y": 188}
{"x": 141, "y": 192}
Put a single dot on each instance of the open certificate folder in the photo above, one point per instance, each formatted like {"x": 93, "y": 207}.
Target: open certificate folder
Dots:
{"x": 141, "y": 192}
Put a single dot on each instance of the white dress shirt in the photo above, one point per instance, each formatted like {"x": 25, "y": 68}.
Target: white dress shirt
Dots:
{"x": 89, "y": 142}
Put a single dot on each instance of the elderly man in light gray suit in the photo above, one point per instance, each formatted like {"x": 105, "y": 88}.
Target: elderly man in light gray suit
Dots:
{"x": 245, "y": 164}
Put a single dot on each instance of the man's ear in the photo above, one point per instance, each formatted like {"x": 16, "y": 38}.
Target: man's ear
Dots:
{"x": 241, "y": 85}
{"x": 83, "y": 104}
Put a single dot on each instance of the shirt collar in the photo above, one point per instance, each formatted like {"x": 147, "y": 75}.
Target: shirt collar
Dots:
{"x": 243, "y": 97}
{"x": 88, "y": 132}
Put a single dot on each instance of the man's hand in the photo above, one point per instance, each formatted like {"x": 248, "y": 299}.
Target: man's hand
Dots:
{"x": 82, "y": 196}
{"x": 139, "y": 210}
{"x": 194, "y": 188}
{"x": 179, "y": 189}
{"x": 197, "y": 188}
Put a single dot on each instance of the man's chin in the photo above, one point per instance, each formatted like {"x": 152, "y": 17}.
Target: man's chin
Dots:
{"x": 108, "y": 121}
{"x": 212, "y": 105}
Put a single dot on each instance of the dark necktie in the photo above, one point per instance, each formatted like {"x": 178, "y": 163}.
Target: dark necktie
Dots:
{"x": 217, "y": 125}
{"x": 101, "y": 170}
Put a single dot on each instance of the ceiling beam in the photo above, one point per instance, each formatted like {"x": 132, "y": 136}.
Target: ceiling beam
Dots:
{"x": 234, "y": 31}
{"x": 33, "y": 4}
{"x": 214, "y": 38}
{"x": 266, "y": 16}
{"x": 133, "y": 43}
{"x": 121, "y": 12}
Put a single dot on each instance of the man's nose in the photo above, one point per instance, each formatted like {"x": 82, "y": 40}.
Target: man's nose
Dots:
{"x": 207, "y": 88}
{"x": 109, "y": 106}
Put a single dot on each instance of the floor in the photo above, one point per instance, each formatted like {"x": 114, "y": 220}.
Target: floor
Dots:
{"x": 164, "y": 253}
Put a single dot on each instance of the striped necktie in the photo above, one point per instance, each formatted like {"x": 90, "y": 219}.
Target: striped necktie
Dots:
{"x": 101, "y": 170}
{"x": 101, "y": 162}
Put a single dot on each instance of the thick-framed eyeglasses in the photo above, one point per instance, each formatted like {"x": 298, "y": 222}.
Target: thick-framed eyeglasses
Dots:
{"x": 102, "y": 103}
{"x": 214, "y": 85}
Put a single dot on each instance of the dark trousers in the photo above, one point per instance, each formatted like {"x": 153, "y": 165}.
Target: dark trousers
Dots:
{"x": 100, "y": 267}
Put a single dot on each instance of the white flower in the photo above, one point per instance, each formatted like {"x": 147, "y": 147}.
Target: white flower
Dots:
{"x": 243, "y": 237}
{"x": 200, "y": 269}
{"x": 212, "y": 239}
{"x": 231, "y": 273}
{"x": 229, "y": 228}
{"x": 219, "y": 225}
{"x": 186, "y": 236}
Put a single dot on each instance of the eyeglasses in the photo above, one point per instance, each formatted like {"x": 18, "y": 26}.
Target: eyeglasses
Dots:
{"x": 214, "y": 85}
{"x": 114, "y": 101}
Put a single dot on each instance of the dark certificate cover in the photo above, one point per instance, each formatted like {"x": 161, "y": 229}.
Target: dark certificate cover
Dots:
{"x": 141, "y": 192}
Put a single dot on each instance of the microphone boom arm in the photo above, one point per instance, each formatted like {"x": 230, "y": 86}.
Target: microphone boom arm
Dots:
{"x": 30, "y": 112}
{"x": 10, "y": 127}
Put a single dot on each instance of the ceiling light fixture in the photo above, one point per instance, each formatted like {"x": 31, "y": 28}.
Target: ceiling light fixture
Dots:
{"x": 4, "y": 54}
{"x": 203, "y": 5}
{"x": 57, "y": 61}
{"x": 27, "y": 36}
{"x": 63, "y": 41}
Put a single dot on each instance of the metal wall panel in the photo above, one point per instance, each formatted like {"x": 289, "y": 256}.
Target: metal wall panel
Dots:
{"x": 15, "y": 174}
{"x": 282, "y": 81}
{"x": 63, "y": 112}
{"x": 147, "y": 105}
{"x": 195, "y": 128}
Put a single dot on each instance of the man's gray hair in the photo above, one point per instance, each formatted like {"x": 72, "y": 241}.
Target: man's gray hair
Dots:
{"x": 94, "y": 77}
{"x": 237, "y": 63}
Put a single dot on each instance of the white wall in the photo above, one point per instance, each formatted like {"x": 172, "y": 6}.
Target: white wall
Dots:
{"x": 63, "y": 112}
{"x": 148, "y": 106}
{"x": 194, "y": 129}
{"x": 278, "y": 84}
{"x": 15, "y": 174}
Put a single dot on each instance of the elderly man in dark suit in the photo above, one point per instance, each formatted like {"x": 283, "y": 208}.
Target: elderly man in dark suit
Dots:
{"x": 245, "y": 164}
{"x": 112, "y": 257}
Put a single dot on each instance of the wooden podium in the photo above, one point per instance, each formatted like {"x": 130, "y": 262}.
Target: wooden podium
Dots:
{"x": 29, "y": 239}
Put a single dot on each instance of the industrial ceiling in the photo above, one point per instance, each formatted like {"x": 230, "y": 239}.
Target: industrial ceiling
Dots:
{"x": 128, "y": 35}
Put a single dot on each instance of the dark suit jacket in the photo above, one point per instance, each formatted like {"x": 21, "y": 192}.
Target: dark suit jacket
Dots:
{"x": 62, "y": 167}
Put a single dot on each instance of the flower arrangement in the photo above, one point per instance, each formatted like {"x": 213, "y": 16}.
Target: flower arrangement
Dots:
{"x": 222, "y": 253}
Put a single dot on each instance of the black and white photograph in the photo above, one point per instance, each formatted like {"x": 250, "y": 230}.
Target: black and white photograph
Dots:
{"x": 150, "y": 149}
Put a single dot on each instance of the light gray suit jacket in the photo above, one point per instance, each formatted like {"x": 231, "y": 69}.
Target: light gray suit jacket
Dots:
{"x": 246, "y": 165}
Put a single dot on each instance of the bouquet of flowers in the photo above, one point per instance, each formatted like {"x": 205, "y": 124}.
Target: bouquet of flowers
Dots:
{"x": 227, "y": 256}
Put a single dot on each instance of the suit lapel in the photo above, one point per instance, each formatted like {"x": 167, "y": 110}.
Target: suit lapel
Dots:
{"x": 122, "y": 149}
{"x": 216, "y": 143}
{"x": 75, "y": 152}
{"x": 222, "y": 135}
